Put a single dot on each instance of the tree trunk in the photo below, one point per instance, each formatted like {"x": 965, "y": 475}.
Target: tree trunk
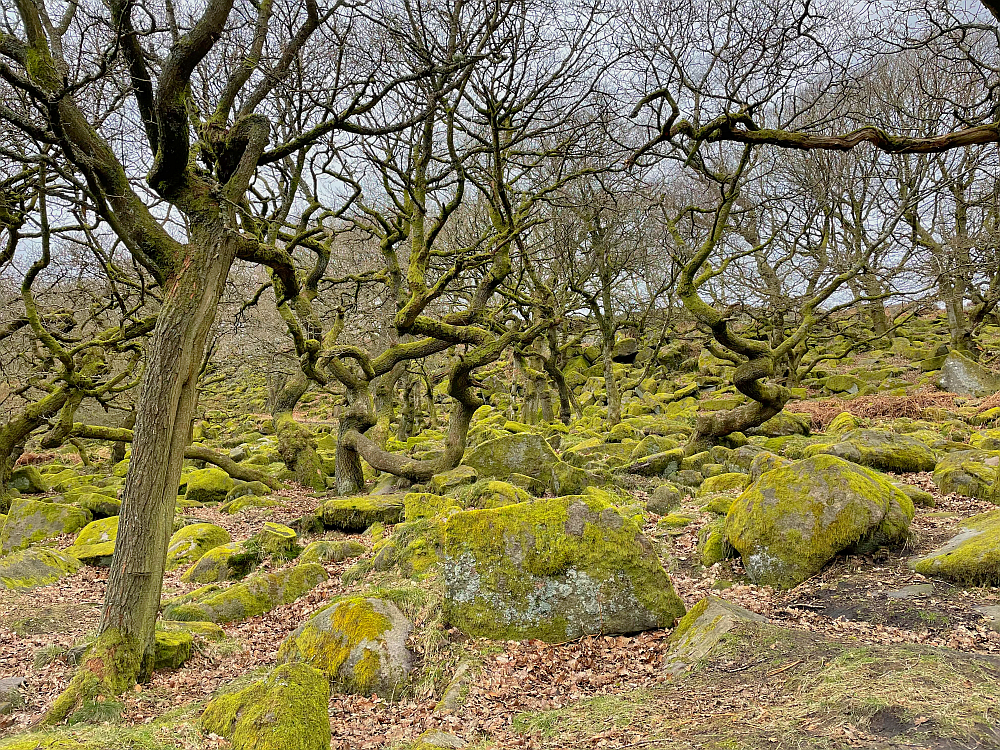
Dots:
{"x": 610, "y": 384}
{"x": 296, "y": 444}
{"x": 14, "y": 433}
{"x": 124, "y": 650}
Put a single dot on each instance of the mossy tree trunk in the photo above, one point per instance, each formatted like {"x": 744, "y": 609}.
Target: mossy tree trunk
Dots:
{"x": 296, "y": 444}
{"x": 17, "y": 430}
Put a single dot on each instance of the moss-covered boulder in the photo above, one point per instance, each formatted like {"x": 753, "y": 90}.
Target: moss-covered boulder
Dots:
{"x": 553, "y": 569}
{"x": 172, "y": 649}
{"x": 793, "y": 520}
{"x": 256, "y": 595}
{"x": 95, "y": 544}
{"x": 971, "y": 557}
{"x": 842, "y": 384}
{"x": 31, "y": 521}
{"x": 208, "y": 485}
{"x": 99, "y": 505}
{"x": 665, "y": 499}
{"x": 359, "y": 643}
{"x": 190, "y": 543}
{"x": 491, "y": 493}
{"x": 961, "y": 375}
{"x": 729, "y": 482}
{"x": 784, "y": 423}
{"x": 880, "y": 449}
{"x": 523, "y": 453}
{"x": 278, "y": 540}
{"x": 419, "y": 505}
{"x": 33, "y": 567}
{"x": 701, "y": 629}
{"x": 354, "y": 514}
{"x": 28, "y": 480}
{"x": 326, "y": 550}
{"x": 971, "y": 473}
{"x": 842, "y": 424}
{"x": 286, "y": 711}
{"x": 712, "y": 544}
{"x": 223, "y": 563}
{"x": 448, "y": 481}
{"x": 204, "y": 631}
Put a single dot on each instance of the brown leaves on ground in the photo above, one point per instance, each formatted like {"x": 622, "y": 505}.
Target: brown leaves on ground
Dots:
{"x": 875, "y": 407}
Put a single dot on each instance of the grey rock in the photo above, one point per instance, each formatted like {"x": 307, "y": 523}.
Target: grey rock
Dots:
{"x": 961, "y": 375}
{"x": 911, "y": 592}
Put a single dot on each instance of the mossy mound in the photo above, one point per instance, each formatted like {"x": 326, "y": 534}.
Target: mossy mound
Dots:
{"x": 256, "y": 595}
{"x": 33, "y": 567}
{"x": 523, "y": 453}
{"x": 729, "y": 482}
{"x": 286, "y": 711}
{"x": 971, "y": 557}
{"x": 448, "y": 481}
{"x": 208, "y": 485}
{"x": 222, "y": 563}
{"x": 173, "y": 648}
{"x": 843, "y": 423}
{"x": 28, "y": 480}
{"x": 31, "y": 521}
{"x": 96, "y": 532}
{"x": 45, "y": 742}
{"x": 99, "y": 505}
{"x": 880, "y": 449}
{"x": 359, "y": 643}
{"x": 331, "y": 551}
{"x": 419, "y": 505}
{"x": 205, "y": 631}
{"x": 354, "y": 514}
{"x": 665, "y": 499}
{"x": 792, "y": 521}
{"x": 785, "y": 423}
{"x": 555, "y": 570}
{"x": 414, "y": 550}
{"x": 969, "y": 473}
{"x": 190, "y": 543}
{"x": 491, "y": 493}
{"x": 278, "y": 540}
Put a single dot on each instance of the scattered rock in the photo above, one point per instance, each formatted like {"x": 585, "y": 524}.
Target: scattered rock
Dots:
{"x": 208, "y": 486}
{"x": 36, "y": 566}
{"x": 32, "y": 520}
{"x": 665, "y": 498}
{"x": 331, "y": 551}
{"x": 190, "y": 543}
{"x": 701, "y": 629}
{"x": 354, "y": 514}
{"x": 970, "y": 473}
{"x": 173, "y": 648}
{"x": 961, "y": 375}
{"x": 972, "y": 556}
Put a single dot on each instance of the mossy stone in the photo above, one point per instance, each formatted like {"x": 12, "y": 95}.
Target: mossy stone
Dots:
{"x": 971, "y": 557}
{"x": 971, "y": 473}
{"x": 326, "y": 550}
{"x": 285, "y": 711}
{"x": 729, "y": 482}
{"x": 553, "y": 569}
{"x": 172, "y": 649}
{"x": 208, "y": 485}
{"x": 28, "y": 480}
{"x": 358, "y": 642}
{"x": 220, "y": 564}
{"x": 665, "y": 498}
{"x": 880, "y": 449}
{"x": 206, "y": 631}
{"x": 99, "y": 505}
{"x": 190, "y": 543}
{"x": 95, "y": 532}
{"x": 354, "y": 514}
{"x": 793, "y": 520}
{"x": 31, "y": 521}
{"x": 842, "y": 424}
{"x": 524, "y": 453}
{"x": 419, "y": 505}
{"x": 491, "y": 493}
{"x": 256, "y": 595}
{"x": 36, "y": 566}
{"x": 278, "y": 540}
{"x": 448, "y": 481}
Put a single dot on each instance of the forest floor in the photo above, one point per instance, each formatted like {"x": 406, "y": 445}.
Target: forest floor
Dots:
{"x": 861, "y": 659}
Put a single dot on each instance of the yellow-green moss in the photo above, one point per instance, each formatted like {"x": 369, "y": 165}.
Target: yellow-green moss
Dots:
{"x": 419, "y": 505}
{"x": 353, "y": 514}
{"x": 190, "y": 543}
{"x": 33, "y": 567}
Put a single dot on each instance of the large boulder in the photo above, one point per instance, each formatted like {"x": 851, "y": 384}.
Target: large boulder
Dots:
{"x": 95, "y": 544}
{"x": 190, "y": 543}
{"x": 625, "y": 351}
{"x": 880, "y": 449}
{"x": 208, "y": 485}
{"x": 286, "y": 711}
{"x": 28, "y": 480}
{"x": 970, "y": 473}
{"x": 33, "y": 567}
{"x": 222, "y": 563}
{"x": 793, "y": 520}
{"x": 256, "y": 595}
{"x": 32, "y": 520}
{"x": 971, "y": 557}
{"x": 524, "y": 453}
{"x": 354, "y": 514}
{"x": 359, "y": 643}
{"x": 553, "y": 569}
{"x": 961, "y": 375}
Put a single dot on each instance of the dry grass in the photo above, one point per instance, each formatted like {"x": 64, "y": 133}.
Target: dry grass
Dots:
{"x": 876, "y": 407}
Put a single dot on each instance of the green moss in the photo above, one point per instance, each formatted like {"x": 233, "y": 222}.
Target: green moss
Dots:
{"x": 173, "y": 648}
{"x": 31, "y": 521}
{"x": 419, "y": 505}
{"x": 971, "y": 557}
{"x": 731, "y": 482}
{"x": 286, "y": 711}
{"x": 331, "y": 551}
{"x": 208, "y": 485}
{"x": 674, "y": 521}
{"x": 190, "y": 543}
{"x": 502, "y": 563}
{"x": 354, "y": 514}
{"x": 33, "y": 567}
{"x": 491, "y": 493}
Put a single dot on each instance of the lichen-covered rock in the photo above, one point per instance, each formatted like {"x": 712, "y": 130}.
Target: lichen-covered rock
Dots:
{"x": 331, "y": 551}
{"x": 448, "y": 481}
{"x": 665, "y": 499}
{"x": 793, "y": 520}
{"x": 222, "y": 563}
{"x": 208, "y": 485}
{"x": 961, "y": 375}
{"x": 842, "y": 424}
{"x": 359, "y": 643}
{"x": 95, "y": 544}
{"x": 278, "y": 540}
{"x": 354, "y": 514}
{"x": 28, "y": 480}
{"x": 190, "y": 543}
{"x": 256, "y": 595}
{"x": 32, "y": 520}
{"x": 701, "y": 629}
{"x": 970, "y": 557}
{"x": 172, "y": 649}
{"x": 842, "y": 384}
{"x": 523, "y": 453}
{"x": 286, "y": 711}
{"x": 553, "y": 569}
{"x": 971, "y": 473}
{"x": 784, "y": 423}
{"x": 729, "y": 482}
{"x": 33, "y": 567}
{"x": 880, "y": 449}
{"x": 99, "y": 505}
{"x": 419, "y": 505}
{"x": 491, "y": 493}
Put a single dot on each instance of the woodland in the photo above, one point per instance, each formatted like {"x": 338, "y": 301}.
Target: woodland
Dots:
{"x": 424, "y": 374}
